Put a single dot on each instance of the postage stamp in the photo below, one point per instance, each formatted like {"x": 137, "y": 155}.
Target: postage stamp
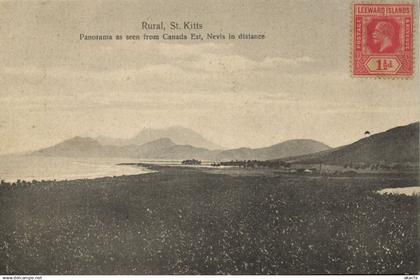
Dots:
{"x": 383, "y": 40}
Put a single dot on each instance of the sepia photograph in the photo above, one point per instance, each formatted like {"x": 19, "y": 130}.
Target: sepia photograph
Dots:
{"x": 234, "y": 137}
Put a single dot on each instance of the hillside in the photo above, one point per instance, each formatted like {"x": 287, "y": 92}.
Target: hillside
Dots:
{"x": 288, "y": 148}
{"x": 179, "y": 135}
{"x": 399, "y": 144}
{"x": 78, "y": 147}
{"x": 164, "y": 148}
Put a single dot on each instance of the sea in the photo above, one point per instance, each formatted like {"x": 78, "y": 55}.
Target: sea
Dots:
{"x": 410, "y": 191}
{"x": 28, "y": 168}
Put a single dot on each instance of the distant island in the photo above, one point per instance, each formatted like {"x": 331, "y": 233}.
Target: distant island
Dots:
{"x": 175, "y": 143}
{"x": 394, "y": 149}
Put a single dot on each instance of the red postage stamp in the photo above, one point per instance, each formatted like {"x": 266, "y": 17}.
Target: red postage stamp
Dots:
{"x": 383, "y": 40}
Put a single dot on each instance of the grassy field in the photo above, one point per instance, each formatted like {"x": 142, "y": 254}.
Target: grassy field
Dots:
{"x": 186, "y": 221}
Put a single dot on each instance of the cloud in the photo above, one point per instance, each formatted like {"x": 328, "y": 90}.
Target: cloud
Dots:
{"x": 182, "y": 67}
{"x": 186, "y": 51}
{"x": 222, "y": 63}
{"x": 276, "y": 62}
{"x": 222, "y": 58}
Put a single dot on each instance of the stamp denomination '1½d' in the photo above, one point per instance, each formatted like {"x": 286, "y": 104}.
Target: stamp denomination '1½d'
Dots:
{"x": 383, "y": 40}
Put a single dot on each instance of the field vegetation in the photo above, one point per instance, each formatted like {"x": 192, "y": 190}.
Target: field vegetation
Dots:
{"x": 186, "y": 221}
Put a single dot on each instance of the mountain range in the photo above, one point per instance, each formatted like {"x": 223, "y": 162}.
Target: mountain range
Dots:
{"x": 167, "y": 148}
{"x": 399, "y": 144}
{"x": 178, "y": 134}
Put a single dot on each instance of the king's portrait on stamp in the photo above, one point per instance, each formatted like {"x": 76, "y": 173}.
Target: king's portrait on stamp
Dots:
{"x": 382, "y": 40}
{"x": 383, "y": 36}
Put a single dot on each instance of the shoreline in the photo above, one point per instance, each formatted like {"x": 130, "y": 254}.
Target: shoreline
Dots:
{"x": 150, "y": 168}
{"x": 28, "y": 169}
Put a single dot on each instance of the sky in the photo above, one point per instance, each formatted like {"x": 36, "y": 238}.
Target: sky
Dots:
{"x": 296, "y": 83}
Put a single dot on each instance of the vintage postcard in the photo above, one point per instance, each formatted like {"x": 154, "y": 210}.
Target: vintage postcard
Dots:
{"x": 235, "y": 137}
